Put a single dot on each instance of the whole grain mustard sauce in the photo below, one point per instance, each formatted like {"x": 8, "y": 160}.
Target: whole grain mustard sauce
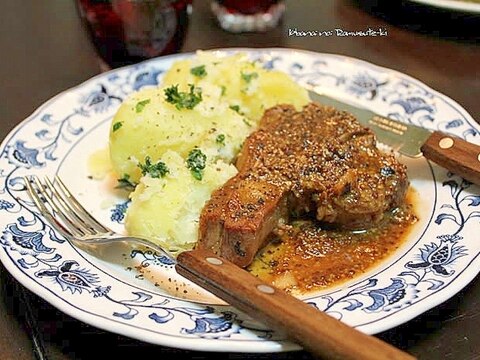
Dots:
{"x": 306, "y": 257}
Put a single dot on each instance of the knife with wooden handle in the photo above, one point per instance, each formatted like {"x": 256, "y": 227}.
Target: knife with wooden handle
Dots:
{"x": 322, "y": 335}
{"x": 449, "y": 151}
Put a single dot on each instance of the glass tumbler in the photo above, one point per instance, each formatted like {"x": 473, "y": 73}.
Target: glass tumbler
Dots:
{"x": 125, "y": 32}
{"x": 248, "y": 15}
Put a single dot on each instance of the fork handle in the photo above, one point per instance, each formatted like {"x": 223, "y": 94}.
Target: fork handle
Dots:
{"x": 316, "y": 331}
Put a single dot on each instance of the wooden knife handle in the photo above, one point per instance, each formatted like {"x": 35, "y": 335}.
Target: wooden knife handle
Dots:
{"x": 316, "y": 331}
{"x": 454, "y": 154}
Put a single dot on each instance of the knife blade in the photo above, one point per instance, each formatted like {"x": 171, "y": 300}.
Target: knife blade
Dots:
{"x": 449, "y": 151}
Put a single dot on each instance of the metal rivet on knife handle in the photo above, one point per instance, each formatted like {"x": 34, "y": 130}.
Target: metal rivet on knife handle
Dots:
{"x": 445, "y": 143}
{"x": 265, "y": 289}
{"x": 214, "y": 260}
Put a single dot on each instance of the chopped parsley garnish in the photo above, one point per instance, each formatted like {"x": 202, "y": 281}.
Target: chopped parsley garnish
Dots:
{"x": 181, "y": 99}
{"x": 235, "y": 108}
{"x": 247, "y": 77}
{"x": 196, "y": 163}
{"x": 117, "y": 125}
{"x": 199, "y": 71}
{"x": 224, "y": 90}
{"x": 141, "y": 105}
{"x": 126, "y": 183}
{"x": 157, "y": 170}
{"x": 220, "y": 139}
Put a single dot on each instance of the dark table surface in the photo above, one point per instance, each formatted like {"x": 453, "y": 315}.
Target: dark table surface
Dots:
{"x": 45, "y": 50}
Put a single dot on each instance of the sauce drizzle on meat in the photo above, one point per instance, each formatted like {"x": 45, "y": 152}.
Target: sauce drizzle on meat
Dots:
{"x": 319, "y": 162}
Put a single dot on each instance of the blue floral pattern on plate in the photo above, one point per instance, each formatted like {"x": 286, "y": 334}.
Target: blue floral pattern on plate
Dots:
{"x": 438, "y": 259}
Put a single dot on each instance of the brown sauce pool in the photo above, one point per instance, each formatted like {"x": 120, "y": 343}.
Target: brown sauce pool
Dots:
{"x": 304, "y": 257}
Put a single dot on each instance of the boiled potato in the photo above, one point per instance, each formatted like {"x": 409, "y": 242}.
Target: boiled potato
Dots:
{"x": 207, "y": 104}
{"x": 240, "y": 82}
{"x": 156, "y": 126}
{"x": 235, "y": 93}
{"x": 167, "y": 209}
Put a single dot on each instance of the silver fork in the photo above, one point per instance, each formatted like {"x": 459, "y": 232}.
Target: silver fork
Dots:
{"x": 316, "y": 331}
{"x": 65, "y": 213}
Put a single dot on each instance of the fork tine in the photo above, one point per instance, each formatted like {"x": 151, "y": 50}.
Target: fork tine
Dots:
{"x": 62, "y": 204}
{"x": 40, "y": 204}
{"x": 67, "y": 209}
{"x": 78, "y": 208}
{"x": 66, "y": 220}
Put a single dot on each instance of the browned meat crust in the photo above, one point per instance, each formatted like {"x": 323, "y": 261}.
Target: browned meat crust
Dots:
{"x": 318, "y": 161}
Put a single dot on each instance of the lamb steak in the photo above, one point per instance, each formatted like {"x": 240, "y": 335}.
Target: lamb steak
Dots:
{"x": 316, "y": 162}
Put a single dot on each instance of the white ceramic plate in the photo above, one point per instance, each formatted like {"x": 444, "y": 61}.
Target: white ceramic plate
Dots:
{"x": 457, "y": 5}
{"x": 115, "y": 290}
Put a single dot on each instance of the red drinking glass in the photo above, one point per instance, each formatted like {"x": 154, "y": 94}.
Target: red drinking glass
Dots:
{"x": 128, "y": 31}
{"x": 248, "y": 15}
